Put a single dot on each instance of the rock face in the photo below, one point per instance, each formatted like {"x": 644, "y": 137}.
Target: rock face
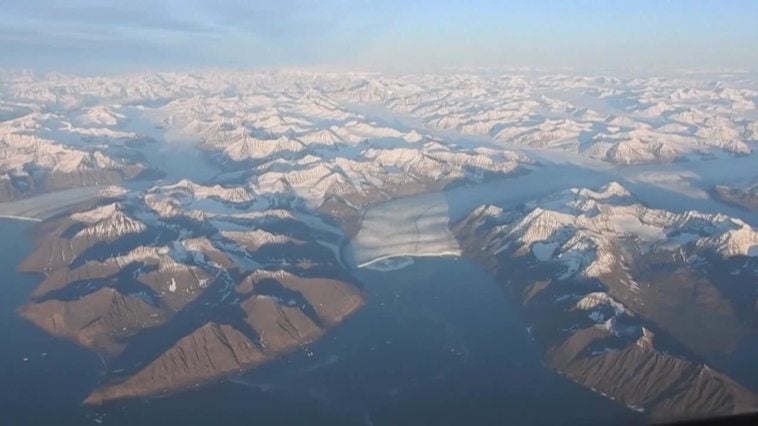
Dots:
{"x": 746, "y": 197}
{"x": 273, "y": 325}
{"x": 634, "y": 303}
{"x": 100, "y": 321}
{"x": 647, "y": 379}
{"x": 210, "y": 351}
{"x": 331, "y": 300}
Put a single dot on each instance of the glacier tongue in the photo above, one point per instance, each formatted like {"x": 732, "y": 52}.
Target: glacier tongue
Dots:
{"x": 416, "y": 226}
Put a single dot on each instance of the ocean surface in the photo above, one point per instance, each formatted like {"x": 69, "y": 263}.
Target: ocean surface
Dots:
{"x": 42, "y": 379}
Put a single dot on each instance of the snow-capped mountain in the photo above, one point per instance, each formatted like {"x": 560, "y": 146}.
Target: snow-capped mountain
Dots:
{"x": 620, "y": 121}
{"x": 239, "y": 192}
{"x": 572, "y": 226}
{"x": 35, "y": 156}
{"x": 261, "y": 116}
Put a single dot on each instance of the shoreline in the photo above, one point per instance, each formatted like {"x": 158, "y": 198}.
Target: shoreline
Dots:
{"x": 449, "y": 253}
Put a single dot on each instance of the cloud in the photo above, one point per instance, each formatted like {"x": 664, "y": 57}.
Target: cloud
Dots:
{"x": 228, "y": 32}
{"x": 133, "y": 14}
{"x": 679, "y": 181}
{"x": 128, "y": 34}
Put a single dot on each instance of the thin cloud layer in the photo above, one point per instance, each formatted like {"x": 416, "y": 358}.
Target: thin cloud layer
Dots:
{"x": 92, "y": 36}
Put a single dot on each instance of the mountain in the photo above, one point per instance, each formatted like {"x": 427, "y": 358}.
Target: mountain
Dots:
{"x": 634, "y": 303}
{"x": 623, "y": 122}
{"x": 253, "y": 116}
{"x": 41, "y": 152}
{"x": 144, "y": 286}
{"x": 745, "y": 196}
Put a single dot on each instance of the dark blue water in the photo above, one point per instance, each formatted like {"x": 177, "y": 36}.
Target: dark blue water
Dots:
{"x": 437, "y": 343}
{"x": 39, "y": 375}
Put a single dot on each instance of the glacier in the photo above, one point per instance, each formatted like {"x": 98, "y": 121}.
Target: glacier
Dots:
{"x": 413, "y": 226}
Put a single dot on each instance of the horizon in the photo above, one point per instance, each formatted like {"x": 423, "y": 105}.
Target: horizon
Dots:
{"x": 85, "y": 37}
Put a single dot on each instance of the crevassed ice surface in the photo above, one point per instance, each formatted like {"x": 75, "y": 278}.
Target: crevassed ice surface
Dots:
{"x": 416, "y": 226}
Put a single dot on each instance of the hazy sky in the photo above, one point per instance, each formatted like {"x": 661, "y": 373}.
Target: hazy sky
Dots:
{"x": 106, "y": 36}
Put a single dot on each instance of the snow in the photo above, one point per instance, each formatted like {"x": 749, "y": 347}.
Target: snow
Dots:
{"x": 255, "y": 239}
{"x": 595, "y": 299}
{"x": 197, "y": 191}
{"x": 613, "y": 189}
{"x": 111, "y": 227}
{"x": 278, "y": 116}
{"x": 626, "y": 224}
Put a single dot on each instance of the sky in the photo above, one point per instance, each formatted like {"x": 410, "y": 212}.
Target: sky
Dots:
{"x": 96, "y": 36}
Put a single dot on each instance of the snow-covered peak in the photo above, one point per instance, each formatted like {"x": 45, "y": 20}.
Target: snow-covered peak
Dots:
{"x": 595, "y": 299}
{"x": 235, "y": 194}
{"x": 97, "y": 214}
{"x": 613, "y": 189}
{"x": 110, "y": 227}
{"x": 253, "y": 240}
{"x": 101, "y": 115}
